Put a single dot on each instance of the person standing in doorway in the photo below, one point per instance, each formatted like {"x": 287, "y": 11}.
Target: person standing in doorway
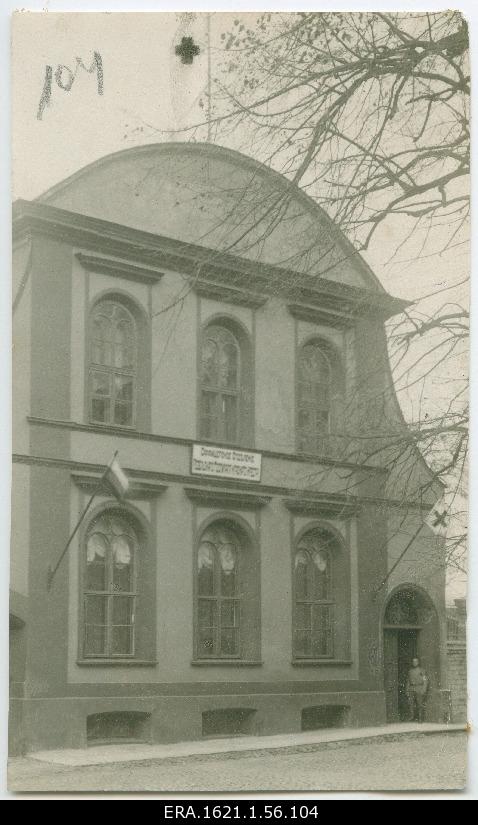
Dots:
{"x": 417, "y": 690}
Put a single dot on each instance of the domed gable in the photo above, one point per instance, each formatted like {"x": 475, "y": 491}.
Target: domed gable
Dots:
{"x": 217, "y": 198}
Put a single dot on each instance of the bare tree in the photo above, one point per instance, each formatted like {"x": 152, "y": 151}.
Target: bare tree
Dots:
{"x": 369, "y": 114}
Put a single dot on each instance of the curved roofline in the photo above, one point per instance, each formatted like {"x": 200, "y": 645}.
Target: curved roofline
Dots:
{"x": 233, "y": 155}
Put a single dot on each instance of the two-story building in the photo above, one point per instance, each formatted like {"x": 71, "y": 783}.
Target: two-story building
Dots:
{"x": 191, "y": 309}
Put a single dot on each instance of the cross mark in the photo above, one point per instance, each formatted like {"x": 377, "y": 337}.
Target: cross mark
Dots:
{"x": 187, "y": 50}
{"x": 439, "y": 519}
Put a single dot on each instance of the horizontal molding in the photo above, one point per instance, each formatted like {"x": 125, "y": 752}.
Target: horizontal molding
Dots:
{"x": 316, "y": 315}
{"x": 170, "y": 478}
{"x": 122, "y": 432}
{"x": 117, "y": 662}
{"x": 226, "y": 662}
{"x": 35, "y": 217}
{"x": 223, "y": 498}
{"x": 137, "y": 489}
{"x": 228, "y": 294}
{"x": 321, "y": 662}
{"x": 323, "y": 505}
{"x": 120, "y": 269}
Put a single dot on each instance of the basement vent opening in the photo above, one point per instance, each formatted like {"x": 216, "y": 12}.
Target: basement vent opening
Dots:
{"x": 117, "y": 726}
{"x": 228, "y": 722}
{"x": 324, "y": 716}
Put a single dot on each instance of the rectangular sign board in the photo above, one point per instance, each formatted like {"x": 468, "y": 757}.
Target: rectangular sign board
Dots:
{"x": 224, "y": 462}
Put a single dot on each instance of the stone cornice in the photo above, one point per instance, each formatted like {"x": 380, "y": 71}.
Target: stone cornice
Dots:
{"x": 228, "y": 294}
{"x": 137, "y": 490}
{"x": 316, "y": 315}
{"x": 120, "y": 269}
{"x": 226, "y": 499}
{"x": 325, "y": 504}
{"x": 123, "y": 432}
{"x": 208, "y": 266}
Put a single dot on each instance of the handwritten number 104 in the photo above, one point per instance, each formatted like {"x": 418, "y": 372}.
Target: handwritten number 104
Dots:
{"x": 65, "y": 77}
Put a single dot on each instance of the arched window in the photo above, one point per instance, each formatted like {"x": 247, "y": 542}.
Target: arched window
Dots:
{"x": 314, "y": 602}
{"x": 219, "y": 598}
{"x": 113, "y": 364}
{"x": 222, "y": 400}
{"x": 109, "y": 595}
{"x": 315, "y": 395}
{"x": 227, "y": 593}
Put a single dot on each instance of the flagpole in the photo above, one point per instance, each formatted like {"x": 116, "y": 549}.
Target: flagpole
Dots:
{"x": 52, "y": 570}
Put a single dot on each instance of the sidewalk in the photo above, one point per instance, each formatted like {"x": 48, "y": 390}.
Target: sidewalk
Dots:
{"x": 292, "y": 742}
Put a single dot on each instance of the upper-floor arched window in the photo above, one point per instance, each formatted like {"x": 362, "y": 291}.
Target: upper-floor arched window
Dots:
{"x": 225, "y": 385}
{"x": 318, "y": 388}
{"x": 113, "y": 364}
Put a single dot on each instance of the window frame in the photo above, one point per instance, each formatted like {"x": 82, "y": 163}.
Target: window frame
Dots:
{"x": 330, "y": 602}
{"x": 248, "y": 590}
{"x": 218, "y": 599}
{"x": 219, "y": 391}
{"x": 244, "y": 436}
{"x": 109, "y": 594}
{"x": 117, "y": 300}
{"x": 323, "y": 441}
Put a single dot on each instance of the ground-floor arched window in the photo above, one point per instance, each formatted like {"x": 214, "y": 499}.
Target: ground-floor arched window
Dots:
{"x": 227, "y": 593}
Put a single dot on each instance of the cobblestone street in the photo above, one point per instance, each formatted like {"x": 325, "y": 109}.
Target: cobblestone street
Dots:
{"x": 418, "y": 763}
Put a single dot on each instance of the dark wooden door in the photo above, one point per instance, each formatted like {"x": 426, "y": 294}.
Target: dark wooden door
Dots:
{"x": 406, "y": 650}
{"x": 390, "y": 674}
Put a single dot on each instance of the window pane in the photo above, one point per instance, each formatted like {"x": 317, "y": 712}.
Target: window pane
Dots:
{"x": 228, "y": 359}
{"x": 229, "y": 409}
{"x": 123, "y": 414}
{"x": 302, "y": 645}
{"x": 304, "y": 616}
{"x": 206, "y": 641}
{"x": 100, "y": 410}
{"x": 321, "y": 632}
{"x": 101, "y": 340}
{"x": 227, "y": 556}
{"x": 301, "y": 564}
{"x": 95, "y": 640}
{"x": 206, "y": 569}
{"x": 95, "y": 610}
{"x": 101, "y": 352}
{"x": 123, "y": 388}
{"x": 122, "y": 549}
{"x": 209, "y": 427}
{"x": 321, "y": 575}
{"x": 229, "y": 614}
{"x": 207, "y": 613}
{"x": 229, "y": 642}
{"x": 122, "y": 640}
{"x": 96, "y": 549}
{"x": 322, "y": 422}
{"x": 100, "y": 383}
{"x": 100, "y": 392}
{"x": 123, "y": 607}
{"x": 209, "y": 365}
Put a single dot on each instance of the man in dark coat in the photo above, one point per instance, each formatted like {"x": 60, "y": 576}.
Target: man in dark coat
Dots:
{"x": 417, "y": 690}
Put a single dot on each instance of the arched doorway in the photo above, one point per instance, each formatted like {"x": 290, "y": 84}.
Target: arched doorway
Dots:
{"x": 410, "y": 629}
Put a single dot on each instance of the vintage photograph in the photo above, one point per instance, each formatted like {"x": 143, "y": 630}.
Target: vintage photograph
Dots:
{"x": 240, "y": 401}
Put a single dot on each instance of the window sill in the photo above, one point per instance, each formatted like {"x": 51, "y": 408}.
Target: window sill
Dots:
{"x": 318, "y": 662}
{"x": 227, "y": 662}
{"x": 117, "y": 662}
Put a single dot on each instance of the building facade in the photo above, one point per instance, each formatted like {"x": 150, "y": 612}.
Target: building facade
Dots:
{"x": 185, "y": 306}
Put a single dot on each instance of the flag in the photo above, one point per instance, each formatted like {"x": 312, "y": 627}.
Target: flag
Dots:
{"x": 116, "y": 479}
{"x": 437, "y": 519}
